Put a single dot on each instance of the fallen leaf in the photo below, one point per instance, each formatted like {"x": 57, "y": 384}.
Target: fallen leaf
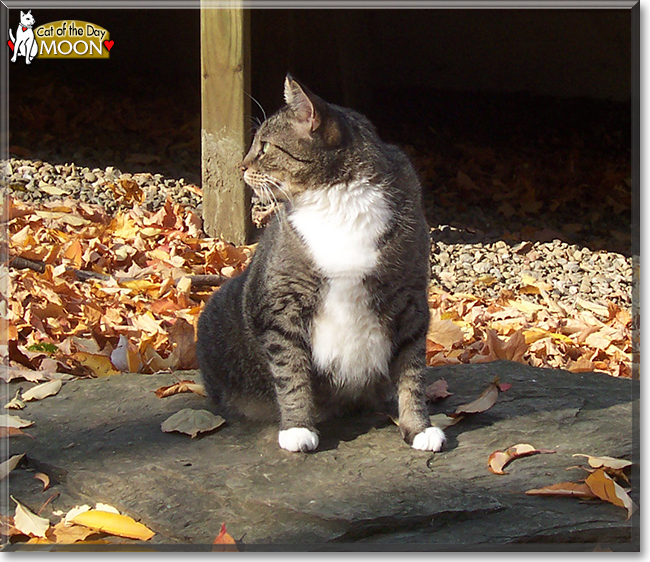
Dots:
{"x": 498, "y": 460}
{"x": 604, "y": 486}
{"x": 512, "y": 350}
{"x": 126, "y": 357}
{"x": 29, "y": 523}
{"x": 181, "y": 336}
{"x": 441, "y": 421}
{"x": 484, "y": 402}
{"x": 67, "y": 534}
{"x": 106, "y": 507}
{"x": 605, "y": 462}
{"x": 43, "y": 478}
{"x": 100, "y": 365}
{"x": 76, "y": 510}
{"x": 16, "y": 403}
{"x": 14, "y": 421}
{"x": 7, "y": 527}
{"x": 113, "y": 524}
{"x": 6, "y": 432}
{"x": 7, "y": 466}
{"x": 224, "y": 542}
{"x": 572, "y": 489}
{"x": 593, "y": 307}
{"x": 192, "y": 422}
{"x": 437, "y": 390}
{"x": 10, "y": 373}
{"x": 180, "y": 386}
{"x": 504, "y": 386}
{"x": 445, "y": 333}
{"x": 41, "y": 391}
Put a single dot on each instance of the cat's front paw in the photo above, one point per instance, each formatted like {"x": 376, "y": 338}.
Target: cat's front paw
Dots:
{"x": 298, "y": 439}
{"x": 431, "y": 439}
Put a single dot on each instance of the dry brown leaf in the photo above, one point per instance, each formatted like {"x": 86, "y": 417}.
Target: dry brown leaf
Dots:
{"x": 604, "y": 486}
{"x": 498, "y": 460}
{"x": 445, "y": 333}
{"x": 6, "y": 432}
{"x": 41, "y": 391}
{"x": 7, "y": 527}
{"x": 67, "y": 534}
{"x": 192, "y": 422}
{"x": 437, "y": 390}
{"x": 180, "y": 386}
{"x": 484, "y": 402}
{"x": 571, "y": 489}
{"x": 441, "y": 421}
{"x": 512, "y": 350}
{"x": 181, "y": 336}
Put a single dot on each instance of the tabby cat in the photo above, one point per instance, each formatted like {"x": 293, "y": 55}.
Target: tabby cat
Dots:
{"x": 332, "y": 311}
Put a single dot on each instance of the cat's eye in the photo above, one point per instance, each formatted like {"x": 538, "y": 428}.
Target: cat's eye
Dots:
{"x": 264, "y": 148}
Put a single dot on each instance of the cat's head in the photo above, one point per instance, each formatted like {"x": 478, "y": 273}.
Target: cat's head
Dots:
{"x": 27, "y": 19}
{"x": 304, "y": 146}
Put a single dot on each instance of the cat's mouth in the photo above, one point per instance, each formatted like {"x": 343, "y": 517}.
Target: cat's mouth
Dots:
{"x": 267, "y": 188}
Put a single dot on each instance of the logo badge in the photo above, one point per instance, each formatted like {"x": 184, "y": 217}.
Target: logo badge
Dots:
{"x": 58, "y": 40}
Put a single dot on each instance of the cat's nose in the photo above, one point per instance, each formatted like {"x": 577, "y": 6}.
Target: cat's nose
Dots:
{"x": 243, "y": 167}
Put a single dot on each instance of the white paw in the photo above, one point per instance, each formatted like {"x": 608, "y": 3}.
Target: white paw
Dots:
{"x": 298, "y": 439}
{"x": 431, "y": 439}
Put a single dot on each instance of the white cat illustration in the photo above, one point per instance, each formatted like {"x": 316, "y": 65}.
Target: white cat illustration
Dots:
{"x": 24, "y": 43}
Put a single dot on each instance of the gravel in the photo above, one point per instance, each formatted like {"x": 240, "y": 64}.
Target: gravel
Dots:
{"x": 36, "y": 181}
{"x": 462, "y": 260}
{"x": 462, "y": 263}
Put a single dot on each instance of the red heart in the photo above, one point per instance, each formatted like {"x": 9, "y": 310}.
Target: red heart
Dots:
{"x": 11, "y": 44}
{"x": 109, "y": 44}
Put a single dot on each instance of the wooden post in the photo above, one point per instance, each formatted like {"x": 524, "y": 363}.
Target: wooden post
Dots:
{"x": 225, "y": 109}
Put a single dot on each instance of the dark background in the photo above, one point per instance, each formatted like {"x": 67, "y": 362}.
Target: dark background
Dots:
{"x": 542, "y": 90}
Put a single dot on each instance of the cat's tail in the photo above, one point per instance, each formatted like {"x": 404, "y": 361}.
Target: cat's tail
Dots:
{"x": 11, "y": 36}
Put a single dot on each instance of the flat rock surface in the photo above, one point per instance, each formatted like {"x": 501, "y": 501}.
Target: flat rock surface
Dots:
{"x": 100, "y": 439}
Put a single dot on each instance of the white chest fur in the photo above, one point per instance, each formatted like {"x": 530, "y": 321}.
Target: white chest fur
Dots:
{"x": 341, "y": 227}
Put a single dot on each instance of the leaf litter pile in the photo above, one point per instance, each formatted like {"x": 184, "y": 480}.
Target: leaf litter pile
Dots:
{"x": 86, "y": 294}
{"x": 91, "y": 295}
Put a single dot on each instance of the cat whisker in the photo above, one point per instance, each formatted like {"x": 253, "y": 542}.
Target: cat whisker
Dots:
{"x": 258, "y": 105}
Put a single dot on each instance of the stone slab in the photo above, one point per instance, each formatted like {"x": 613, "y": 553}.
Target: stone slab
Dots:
{"x": 363, "y": 489}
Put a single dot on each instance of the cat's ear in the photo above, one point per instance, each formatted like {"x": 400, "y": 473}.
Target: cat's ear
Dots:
{"x": 22, "y": 14}
{"x": 300, "y": 101}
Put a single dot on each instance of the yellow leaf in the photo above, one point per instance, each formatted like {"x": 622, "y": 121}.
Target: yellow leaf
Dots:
{"x": 525, "y": 306}
{"x": 534, "y": 334}
{"x": 114, "y": 524}
{"x": 141, "y": 285}
{"x": 100, "y": 365}
{"x": 124, "y": 228}
{"x": 603, "y": 485}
